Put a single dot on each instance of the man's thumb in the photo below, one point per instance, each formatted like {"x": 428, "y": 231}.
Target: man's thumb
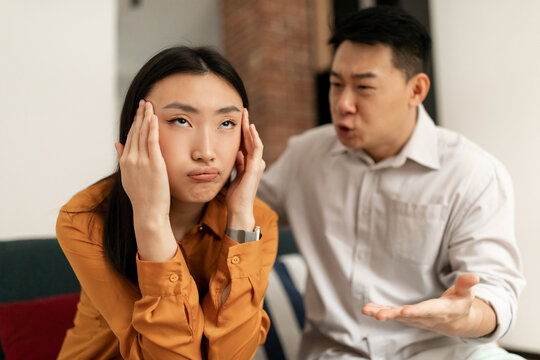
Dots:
{"x": 464, "y": 284}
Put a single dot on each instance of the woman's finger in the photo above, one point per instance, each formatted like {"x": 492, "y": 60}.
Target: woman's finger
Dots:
{"x": 240, "y": 164}
{"x": 258, "y": 147}
{"x": 154, "y": 150}
{"x": 119, "y": 150}
{"x": 143, "y": 133}
{"x": 246, "y": 134}
{"x": 132, "y": 143}
{"x": 127, "y": 145}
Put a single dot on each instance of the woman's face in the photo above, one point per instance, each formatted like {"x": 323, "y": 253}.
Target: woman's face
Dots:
{"x": 199, "y": 119}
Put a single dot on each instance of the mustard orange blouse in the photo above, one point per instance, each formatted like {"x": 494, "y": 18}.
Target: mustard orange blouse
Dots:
{"x": 175, "y": 310}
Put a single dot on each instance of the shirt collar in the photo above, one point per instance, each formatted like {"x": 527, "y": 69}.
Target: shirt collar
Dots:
{"x": 339, "y": 149}
{"x": 422, "y": 147}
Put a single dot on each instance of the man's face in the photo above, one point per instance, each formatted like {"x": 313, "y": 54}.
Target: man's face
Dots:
{"x": 370, "y": 100}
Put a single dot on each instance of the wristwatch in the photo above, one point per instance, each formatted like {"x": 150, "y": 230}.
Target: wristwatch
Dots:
{"x": 242, "y": 236}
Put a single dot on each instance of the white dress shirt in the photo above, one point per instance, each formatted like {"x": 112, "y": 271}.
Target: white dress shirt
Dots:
{"x": 395, "y": 232}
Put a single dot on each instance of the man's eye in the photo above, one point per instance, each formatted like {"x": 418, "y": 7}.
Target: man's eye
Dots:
{"x": 228, "y": 124}
{"x": 364, "y": 87}
{"x": 335, "y": 84}
{"x": 179, "y": 122}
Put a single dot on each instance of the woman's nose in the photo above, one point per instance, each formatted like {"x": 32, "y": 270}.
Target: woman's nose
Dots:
{"x": 203, "y": 149}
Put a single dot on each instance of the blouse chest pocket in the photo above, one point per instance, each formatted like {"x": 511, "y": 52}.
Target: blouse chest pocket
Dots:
{"x": 409, "y": 231}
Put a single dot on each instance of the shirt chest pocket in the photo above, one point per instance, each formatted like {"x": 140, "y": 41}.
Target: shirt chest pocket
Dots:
{"x": 408, "y": 231}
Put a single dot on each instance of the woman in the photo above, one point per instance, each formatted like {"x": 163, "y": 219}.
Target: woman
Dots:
{"x": 165, "y": 250}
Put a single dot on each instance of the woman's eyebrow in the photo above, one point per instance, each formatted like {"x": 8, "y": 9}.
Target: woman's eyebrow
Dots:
{"x": 228, "y": 109}
{"x": 191, "y": 109}
{"x": 180, "y": 106}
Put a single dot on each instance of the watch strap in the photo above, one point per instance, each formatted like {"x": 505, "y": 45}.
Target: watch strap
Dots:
{"x": 242, "y": 236}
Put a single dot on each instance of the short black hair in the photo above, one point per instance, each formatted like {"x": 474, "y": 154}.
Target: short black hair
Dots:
{"x": 392, "y": 26}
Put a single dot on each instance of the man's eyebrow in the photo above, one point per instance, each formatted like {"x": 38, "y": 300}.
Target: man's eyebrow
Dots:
{"x": 228, "y": 109}
{"x": 180, "y": 106}
{"x": 365, "y": 75}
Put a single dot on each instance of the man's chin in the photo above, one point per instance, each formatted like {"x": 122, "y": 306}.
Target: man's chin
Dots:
{"x": 352, "y": 143}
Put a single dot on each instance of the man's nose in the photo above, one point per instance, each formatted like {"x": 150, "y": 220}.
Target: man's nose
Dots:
{"x": 203, "y": 149}
{"x": 346, "y": 103}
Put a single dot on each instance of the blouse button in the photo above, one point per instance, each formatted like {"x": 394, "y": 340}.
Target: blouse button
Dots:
{"x": 235, "y": 260}
{"x": 173, "y": 278}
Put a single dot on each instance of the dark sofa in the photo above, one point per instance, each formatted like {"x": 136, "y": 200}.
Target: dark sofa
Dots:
{"x": 36, "y": 283}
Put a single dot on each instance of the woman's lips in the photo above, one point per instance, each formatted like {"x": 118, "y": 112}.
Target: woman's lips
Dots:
{"x": 203, "y": 174}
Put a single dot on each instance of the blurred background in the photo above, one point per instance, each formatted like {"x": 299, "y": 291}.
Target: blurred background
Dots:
{"x": 66, "y": 65}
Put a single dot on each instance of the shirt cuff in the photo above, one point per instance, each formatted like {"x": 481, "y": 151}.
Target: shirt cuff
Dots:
{"x": 499, "y": 302}
{"x": 240, "y": 260}
{"x": 162, "y": 278}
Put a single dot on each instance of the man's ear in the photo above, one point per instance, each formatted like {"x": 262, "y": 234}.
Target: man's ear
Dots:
{"x": 419, "y": 85}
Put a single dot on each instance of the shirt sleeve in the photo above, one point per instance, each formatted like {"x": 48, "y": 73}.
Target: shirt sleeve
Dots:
{"x": 276, "y": 180}
{"x": 482, "y": 241}
{"x": 162, "y": 321}
{"x": 234, "y": 329}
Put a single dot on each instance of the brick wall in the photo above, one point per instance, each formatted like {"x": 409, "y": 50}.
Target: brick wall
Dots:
{"x": 270, "y": 44}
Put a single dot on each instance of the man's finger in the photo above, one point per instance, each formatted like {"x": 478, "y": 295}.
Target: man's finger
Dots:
{"x": 372, "y": 309}
{"x": 464, "y": 284}
{"x": 389, "y": 313}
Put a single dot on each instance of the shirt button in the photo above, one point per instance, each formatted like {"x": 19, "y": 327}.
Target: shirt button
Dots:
{"x": 235, "y": 260}
{"x": 200, "y": 228}
{"x": 173, "y": 278}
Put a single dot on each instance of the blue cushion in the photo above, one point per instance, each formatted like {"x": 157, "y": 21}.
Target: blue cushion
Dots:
{"x": 283, "y": 303}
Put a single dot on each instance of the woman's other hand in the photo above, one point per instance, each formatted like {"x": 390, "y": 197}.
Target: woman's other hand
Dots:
{"x": 144, "y": 178}
{"x": 249, "y": 169}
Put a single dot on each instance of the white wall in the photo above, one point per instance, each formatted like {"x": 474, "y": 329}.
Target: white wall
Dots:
{"x": 487, "y": 66}
{"x": 154, "y": 25}
{"x": 64, "y": 69}
{"x": 58, "y": 111}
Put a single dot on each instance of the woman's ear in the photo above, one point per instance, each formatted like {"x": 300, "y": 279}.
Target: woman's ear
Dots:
{"x": 419, "y": 85}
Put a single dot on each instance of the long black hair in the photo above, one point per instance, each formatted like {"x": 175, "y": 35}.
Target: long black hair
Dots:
{"x": 118, "y": 232}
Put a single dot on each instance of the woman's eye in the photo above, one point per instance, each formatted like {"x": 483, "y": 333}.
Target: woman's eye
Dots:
{"x": 227, "y": 124}
{"x": 179, "y": 122}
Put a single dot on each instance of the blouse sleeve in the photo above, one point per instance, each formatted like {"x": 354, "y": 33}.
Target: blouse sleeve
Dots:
{"x": 234, "y": 329}
{"x": 162, "y": 321}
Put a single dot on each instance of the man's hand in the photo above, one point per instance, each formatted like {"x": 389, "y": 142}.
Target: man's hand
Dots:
{"x": 456, "y": 313}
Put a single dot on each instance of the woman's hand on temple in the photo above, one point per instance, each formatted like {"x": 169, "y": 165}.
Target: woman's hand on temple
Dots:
{"x": 249, "y": 169}
{"x": 145, "y": 180}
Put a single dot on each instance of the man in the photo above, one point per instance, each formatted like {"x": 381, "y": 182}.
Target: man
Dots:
{"x": 406, "y": 228}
